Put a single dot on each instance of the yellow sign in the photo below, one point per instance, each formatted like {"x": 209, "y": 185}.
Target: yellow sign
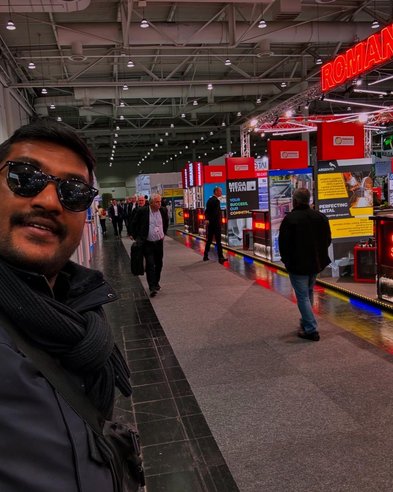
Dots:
{"x": 331, "y": 186}
{"x": 179, "y": 219}
{"x": 169, "y": 192}
{"x": 352, "y": 227}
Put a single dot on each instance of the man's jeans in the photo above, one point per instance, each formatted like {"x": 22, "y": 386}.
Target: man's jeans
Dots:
{"x": 303, "y": 286}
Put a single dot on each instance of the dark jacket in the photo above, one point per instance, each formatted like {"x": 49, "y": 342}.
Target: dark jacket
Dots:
{"x": 120, "y": 211}
{"x": 304, "y": 240}
{"x": 140, "y": 222}
{"x": 213, "y": 211}
{"x": 44, "y": 444}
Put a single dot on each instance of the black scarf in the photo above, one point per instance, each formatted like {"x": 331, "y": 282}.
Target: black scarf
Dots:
{"x": 83, "y": 343}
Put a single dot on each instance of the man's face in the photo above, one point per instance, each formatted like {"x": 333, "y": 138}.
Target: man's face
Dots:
{"x": 155, "y": 203}
{"x": 141, "y": 201}
{"x": 218, "y": 192}
{"x": 37, "y": 233}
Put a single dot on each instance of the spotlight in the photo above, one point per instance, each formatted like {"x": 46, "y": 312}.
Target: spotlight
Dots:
{"x": 262, "y": 24}
{"x": 144, "y": 24}
{"x": 31, "y": 66}
{"x": 227, "y": 62}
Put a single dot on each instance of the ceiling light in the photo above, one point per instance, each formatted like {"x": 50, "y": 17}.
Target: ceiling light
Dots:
{"x": 339, "y": 101}
{"x": 44, "y": 91}
{"x": 166, "y": 134}
{"x": 227, "y": 62}
{"x": 121, "y": 117}
{"x": 183, "y": 115}
{"x": 258, "y": 100}
{"x": 195, "y": 102}
{"x": 116, "y": 135}
{"x": 144, "y": 24}
{"x": 283, "y": 84}
{"x": 262, "y": 24}
{"x": 254, "y": 122}
{"x": 11, "y": 25}
{"x": 130, "y": 64}
{"x": 238, "y": 113}
{"x": 368, "y": 91}
{"x": 202, "y": 138}
{"x": 118, "y": 128}
{"x": 111, "y": 158}
{"x": 161, "y": 140}
{"x": 318, "y": 61}
{"x": 156, "y": 145}
{"x": 374, "y": 25}
{"x": 209, "y": 86}
{"x": 58, "y": 118}
{"x": 122, "y": 104}
{"x": 125, "y": 87}
{"x": 186, "y": 146}
{"x": 211, "y": 133}
{"x": 358, "y": 82}
{"x": 31, "y": 66}
{"x": 52, "y": 106}
{"x": 172, "y": 125}
{"x": 223, "y": 123}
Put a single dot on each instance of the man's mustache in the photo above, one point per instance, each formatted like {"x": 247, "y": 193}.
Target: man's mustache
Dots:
{"x": 23, "y": 219}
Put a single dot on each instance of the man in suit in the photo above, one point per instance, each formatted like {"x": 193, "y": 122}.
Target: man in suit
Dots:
{"x": 115, "y": 212}
{"x": 128, "y": 210}
{"x": 149, "y": 226}
{"x": 213, "y": 223}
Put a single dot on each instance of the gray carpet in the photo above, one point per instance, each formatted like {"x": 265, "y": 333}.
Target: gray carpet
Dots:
{"x": 287, "y": 414}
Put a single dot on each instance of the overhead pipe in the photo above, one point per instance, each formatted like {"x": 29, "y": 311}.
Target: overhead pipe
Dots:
{"x": 216, "y": 33}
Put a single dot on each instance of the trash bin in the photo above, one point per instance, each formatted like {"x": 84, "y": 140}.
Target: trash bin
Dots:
{"x": 248, "y": 239}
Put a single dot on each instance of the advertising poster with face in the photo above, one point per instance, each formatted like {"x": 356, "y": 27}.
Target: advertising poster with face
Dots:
{"x": 345, "y": 196}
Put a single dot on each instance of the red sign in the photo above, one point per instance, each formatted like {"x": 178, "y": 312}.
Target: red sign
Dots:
{"x": 184, "y": 178}
{"x": 340, "y": 141}
{"x": 287, "y": 154}
{"x": 198, "y": 173}
{"x": 240, "y": 167}
{"x": 362, "y": 57}
{"x": 215, "y": 174}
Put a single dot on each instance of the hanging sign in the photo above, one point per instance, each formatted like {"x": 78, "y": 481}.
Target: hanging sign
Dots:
{"x": 362, "y": 57}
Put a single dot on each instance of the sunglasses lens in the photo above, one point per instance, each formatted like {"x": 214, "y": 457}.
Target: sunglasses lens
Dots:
{"x": 76, "y": 195}
{"x": 25, "y": 180}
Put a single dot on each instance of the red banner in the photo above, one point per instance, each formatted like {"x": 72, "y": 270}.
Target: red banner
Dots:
{"x": 198, "y": 173}
{"x": 184, "y": 178}
{"x": 340, "y": 141}
{"x": 215, "y": 174}
{"x": 240, "y": 167}
{"x": 287, "y": 154}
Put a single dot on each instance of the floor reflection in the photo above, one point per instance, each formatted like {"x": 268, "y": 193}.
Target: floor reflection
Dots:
{"x": 360, "y": 318}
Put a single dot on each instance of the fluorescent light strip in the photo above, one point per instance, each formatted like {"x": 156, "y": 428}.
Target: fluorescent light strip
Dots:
{"x": 353, "y": 103}
{"x": 367, "y": 91}
{"x": 380, "y": 80}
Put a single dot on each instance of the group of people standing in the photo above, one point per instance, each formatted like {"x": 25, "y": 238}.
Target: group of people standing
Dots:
{"x": 120, "y": 213}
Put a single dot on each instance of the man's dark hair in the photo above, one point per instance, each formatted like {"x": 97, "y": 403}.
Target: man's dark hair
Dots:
{"x": 46, "y": 130}
{"x": 301, "y": 196}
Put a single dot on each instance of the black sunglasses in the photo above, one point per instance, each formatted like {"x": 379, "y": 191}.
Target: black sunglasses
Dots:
{"x": 25, "y": 179}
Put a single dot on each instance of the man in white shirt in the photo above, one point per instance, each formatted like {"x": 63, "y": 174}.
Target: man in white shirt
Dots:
{"x": 149, "y": 227}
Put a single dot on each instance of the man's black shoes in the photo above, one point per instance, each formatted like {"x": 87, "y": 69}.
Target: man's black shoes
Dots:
{"x": 222, "y": 260}
{"x": 205, "y": 258}
{"x": 153, "y": 293}
{"x": 314, "y": 336}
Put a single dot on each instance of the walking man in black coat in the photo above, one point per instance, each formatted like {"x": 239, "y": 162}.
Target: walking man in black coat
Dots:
{"x": 304, "y": 240}
{"x": 213, "y": 223}
{"x": 115, "y": 212}
{"x": 149, "y": 226}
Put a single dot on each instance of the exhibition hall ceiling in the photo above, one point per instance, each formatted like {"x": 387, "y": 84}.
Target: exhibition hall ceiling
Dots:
{"x": 141, "y": 95}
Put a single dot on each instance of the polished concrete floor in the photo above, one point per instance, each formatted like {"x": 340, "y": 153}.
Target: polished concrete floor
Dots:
{"x": 227, "y": 398}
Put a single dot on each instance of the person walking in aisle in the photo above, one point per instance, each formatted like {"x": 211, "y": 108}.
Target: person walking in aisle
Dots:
{"x": 149, "y": 226}
{"x": 213, "y": 223}
{"x": 55, "y": 305}
{"x": 128, "y": 210}
{"x": 115, "y": 212}
{"x": 101, "y": 212}
{"x": 304, "y": 239}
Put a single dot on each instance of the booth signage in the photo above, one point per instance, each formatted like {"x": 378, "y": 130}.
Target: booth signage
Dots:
{"x": 198, "y": 173}
{"x": 345, "y": 196}
{"x": 191, "y": 182}
{"x": 214, "y": 174}
{"x": 240, "y": 167}
{"x": 340, "y": 140}
{"x": 362, "y": 57}
{"x": 287, "y": 154}
{"x": 184, "y": 178}
{"x": 242, "y": 197}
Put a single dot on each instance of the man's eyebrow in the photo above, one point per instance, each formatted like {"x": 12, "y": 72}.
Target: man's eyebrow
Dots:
{"x": 41, "y": 166}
